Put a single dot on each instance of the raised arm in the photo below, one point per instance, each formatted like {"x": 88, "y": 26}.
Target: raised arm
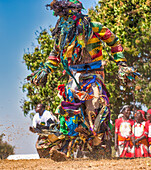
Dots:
{"x": 104, "y": 34}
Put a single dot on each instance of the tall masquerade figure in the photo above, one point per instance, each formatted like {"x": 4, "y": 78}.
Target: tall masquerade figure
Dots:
{"x": 85, "y": 110}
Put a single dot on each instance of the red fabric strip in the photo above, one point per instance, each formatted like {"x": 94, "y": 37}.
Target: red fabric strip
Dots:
{"x": 118, "y": 48}
{"x": 107, "y": 35}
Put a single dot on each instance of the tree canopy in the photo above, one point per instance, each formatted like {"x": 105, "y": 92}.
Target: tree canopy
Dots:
{"x": 130, "y": 21}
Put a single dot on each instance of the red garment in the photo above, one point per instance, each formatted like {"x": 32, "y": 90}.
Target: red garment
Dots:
{"x": 124, "y": 130}
{"x": 148, "y": 125}
{"x": 141, "y": 149}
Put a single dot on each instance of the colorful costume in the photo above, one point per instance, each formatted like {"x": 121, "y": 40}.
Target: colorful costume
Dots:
{"x": 141, "y": 148}
{"x": 78, "y": 46}
{"x": 123, "y": 128}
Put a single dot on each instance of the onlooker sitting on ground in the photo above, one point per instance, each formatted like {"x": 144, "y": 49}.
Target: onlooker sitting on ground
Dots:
{"x": 139, "y": 135}
{"x": 42, "y": 119}
{"x": 123, "y": 130}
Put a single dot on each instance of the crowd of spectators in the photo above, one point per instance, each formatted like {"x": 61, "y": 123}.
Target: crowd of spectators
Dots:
{"x": 133, "y": 136}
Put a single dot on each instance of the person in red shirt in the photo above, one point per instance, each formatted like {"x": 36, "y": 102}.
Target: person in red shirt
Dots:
{"x": 139, "y": 135}
{"x": 123, "y": 131}
{"x": 148, "y": 116}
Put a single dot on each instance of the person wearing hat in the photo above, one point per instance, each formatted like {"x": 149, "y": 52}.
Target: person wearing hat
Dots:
{"x": 148, "y": 116}
{"x": 123, "y": 132}
{"x": 139, "y": 135}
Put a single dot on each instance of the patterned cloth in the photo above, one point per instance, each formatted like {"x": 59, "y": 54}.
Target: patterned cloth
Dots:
{"x": 141, "y": 149}
{"x": 94, "y": 46}
{"x": 123, "y": 128}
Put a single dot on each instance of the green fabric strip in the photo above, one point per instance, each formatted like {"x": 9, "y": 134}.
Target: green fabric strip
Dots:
{"x": 113, "y": 42}
{"x": 93, "y": 46}
{"x": 118, "y": 55}
{"x": 95, "y": 24}
{"x": 63, "y": 127}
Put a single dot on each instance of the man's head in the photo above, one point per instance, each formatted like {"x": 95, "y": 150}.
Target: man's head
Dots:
{"x": 40, "y": 109}
{"x": 148, "y": 115}
{"x": 126, "y": 111}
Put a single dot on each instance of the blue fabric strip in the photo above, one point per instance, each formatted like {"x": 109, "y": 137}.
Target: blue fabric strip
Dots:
{"x": 86, "y": 67}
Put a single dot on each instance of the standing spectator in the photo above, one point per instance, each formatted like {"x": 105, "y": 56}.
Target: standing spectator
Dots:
{"x": 123, "y": 130}
{"x": 139, "y": 135}
{"x": 148, "y": 116}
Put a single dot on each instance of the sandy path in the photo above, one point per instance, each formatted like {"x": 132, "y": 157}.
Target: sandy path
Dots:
{"x": 46, "y": 164}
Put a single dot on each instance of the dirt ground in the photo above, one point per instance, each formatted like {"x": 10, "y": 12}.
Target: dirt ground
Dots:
{"x": 104, "y": 164}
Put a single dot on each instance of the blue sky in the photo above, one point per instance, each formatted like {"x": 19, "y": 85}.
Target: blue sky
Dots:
{"x": 19, "y": 19}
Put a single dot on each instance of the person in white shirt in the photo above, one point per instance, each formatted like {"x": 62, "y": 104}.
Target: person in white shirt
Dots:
{"x": 42, "y": 119}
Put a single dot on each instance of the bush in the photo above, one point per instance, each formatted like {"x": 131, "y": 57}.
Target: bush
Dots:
{"x": 5, "y": 148}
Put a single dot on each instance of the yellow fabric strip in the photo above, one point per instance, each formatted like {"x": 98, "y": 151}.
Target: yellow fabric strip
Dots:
{"x": 98, "y": 58}
{"x": 95, "y": 29}
{"x": 94, "y": 51}
{"x": 93, "y": 40}
{"x": 110, "y": 39}
{"x": 53, "y": 62}
{"x": 121, "y": 59}
{"x": 103, "y": 31}
{"x": 116, "y": 44}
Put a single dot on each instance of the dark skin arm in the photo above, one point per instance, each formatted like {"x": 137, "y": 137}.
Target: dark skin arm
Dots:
{"x": 38, "y": 128}
{"x": 116, "y": 141}
{"x": 135, "y": 142}
{"x": 34, "y": 130}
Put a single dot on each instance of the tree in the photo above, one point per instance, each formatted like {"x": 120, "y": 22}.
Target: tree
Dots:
{"x": 130, "y": 21}
{"x": 37, "y": 94}
{"x": 5, "y": 148}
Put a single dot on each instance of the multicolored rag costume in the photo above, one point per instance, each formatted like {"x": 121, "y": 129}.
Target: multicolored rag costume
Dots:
{"x": 78, "y": 46}
{"x": 124, "y": 130}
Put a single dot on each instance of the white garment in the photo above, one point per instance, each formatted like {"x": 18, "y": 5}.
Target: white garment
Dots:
{"x": 42, "y": 119}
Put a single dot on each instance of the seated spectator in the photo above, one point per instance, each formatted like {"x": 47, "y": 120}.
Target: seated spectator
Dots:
{"x": 42, "y": 119}
{"x": 123, "y": 130}
{"x": 148, "y": 116}
{"x": 139, "y": 135}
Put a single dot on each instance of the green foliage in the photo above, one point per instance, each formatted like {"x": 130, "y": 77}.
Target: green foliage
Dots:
{"x": 37, "y": 94}
{"x": 5, "y": 148}
{"x": 130, "y": 21}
